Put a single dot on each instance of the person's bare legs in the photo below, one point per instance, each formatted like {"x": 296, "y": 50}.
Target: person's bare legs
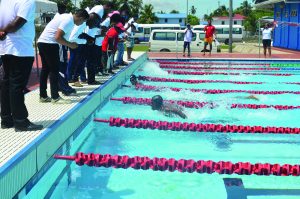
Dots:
{"x": 129, "y": 51}
{"x": 265, "y": 52}
{"x": 204, "y": 50}
{"x": 269, "y": 49}
{"x": 210, "y": 49}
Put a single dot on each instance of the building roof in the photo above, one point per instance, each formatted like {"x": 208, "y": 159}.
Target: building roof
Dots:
{"x": 171, "y": 16}
{"x": 267, "y": 3}
{"x": 236, "y": 17}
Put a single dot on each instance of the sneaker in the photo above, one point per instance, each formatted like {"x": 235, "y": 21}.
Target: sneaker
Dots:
{"x": 116, "y": 67}
{"x": 77, "y": 84}
{"x": 111, "y": 72}
{"x": 94, "y": 83}
{"x": 60, "y": 100}
{"x": 84, "y": 82}
{"x": 105, "y": 73}
{"x": 45, "y": 99}
{"x": 124, "y": 63}
{"x": 28, "y": 126}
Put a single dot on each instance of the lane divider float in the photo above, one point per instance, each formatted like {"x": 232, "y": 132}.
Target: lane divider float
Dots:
{"x": 216, "y": 68}
{"x": 197, "y": 105}
{"x": 182, "y": 165}
{"x": 176, "y": 72}
{"x": 213, "y": 91}
{"x": 212, "y": 63}
{"x": 193, "y": 127}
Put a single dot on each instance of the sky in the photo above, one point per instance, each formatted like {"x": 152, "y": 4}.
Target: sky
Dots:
{"x": 203, "y": 6}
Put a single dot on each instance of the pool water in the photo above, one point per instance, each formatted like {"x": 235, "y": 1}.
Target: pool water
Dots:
{"x": 107, "y": 183}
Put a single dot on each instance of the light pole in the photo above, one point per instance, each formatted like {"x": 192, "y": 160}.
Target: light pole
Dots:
{"x": 230, "y": 26}
{"x": 187, "y": 11}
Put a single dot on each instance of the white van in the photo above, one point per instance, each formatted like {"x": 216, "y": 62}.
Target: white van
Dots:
{"x": 173, "y": 40}
{"x": 238, "y": 32}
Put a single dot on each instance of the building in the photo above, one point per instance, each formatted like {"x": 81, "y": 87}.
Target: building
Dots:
{"x": 237, "y": 20}
{"x": 286, "y": 14}
{"x": 171, "y": 18}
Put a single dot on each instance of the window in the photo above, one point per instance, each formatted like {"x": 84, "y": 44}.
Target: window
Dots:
{"x": 286, "y": 14}
{"x": 180, "y": 36}
{"x": 294, "y": 13}
{"x": 234, "y": 22}
{"x": 200, "y": 29}
{"x": 140, "y": 30}
{"x": 201, "y": 36}
{"x": 166, "y": 20}
{"x": 164, "y": 36}
{"x": 147, "y": 31}
{"x": 180, "y": 20}
{"x": 223, "y": 22}
{"x": 219, "y": 30}
{"x": 234, "y": 31}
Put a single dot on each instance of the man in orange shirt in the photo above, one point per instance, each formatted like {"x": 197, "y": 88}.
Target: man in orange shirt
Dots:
{"x": 209, "y": 34}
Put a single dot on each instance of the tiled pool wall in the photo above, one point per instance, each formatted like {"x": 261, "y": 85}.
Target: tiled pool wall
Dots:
{"x": 18, "y": 171}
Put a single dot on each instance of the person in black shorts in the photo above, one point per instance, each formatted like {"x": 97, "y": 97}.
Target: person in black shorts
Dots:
{"x": 266, "y": 38}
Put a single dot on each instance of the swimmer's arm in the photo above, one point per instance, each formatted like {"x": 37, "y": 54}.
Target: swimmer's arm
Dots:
{"x": 177, "y": 112}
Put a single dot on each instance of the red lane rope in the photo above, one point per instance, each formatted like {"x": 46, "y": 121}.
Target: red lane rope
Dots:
{"x": 215, "y": 91}
{"x": 189, "y": 81}
{"x": 178, "y": 126}
{"x": 197, "y": 105}
{"x": 182, "y": 165}
{"x": 216, "y": 68}
{"x": 223, "y": 73}
{"x": 212, "y": 63}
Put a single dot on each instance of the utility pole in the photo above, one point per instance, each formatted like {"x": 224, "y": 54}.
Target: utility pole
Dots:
{"x": 230, "y": 26}
{"x": 187, "y": 11}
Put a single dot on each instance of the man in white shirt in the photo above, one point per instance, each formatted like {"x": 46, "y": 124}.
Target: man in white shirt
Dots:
{"x": 267, "y": 38}
{"x": 88, "y": 54}
{"x": 188, "y": 36}
{"x": 16, "y": 37}
{"x": 56, "y": 32}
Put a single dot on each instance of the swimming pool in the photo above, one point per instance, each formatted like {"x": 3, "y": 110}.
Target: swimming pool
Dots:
{"x": 65, "y": 179}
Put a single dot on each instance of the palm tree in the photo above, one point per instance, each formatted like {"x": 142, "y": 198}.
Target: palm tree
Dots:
{"x": 193, "y": 10}
{"x": 246, "y": 8}
{"x": 132, "y": 6}
{"x": 147, "y": 15}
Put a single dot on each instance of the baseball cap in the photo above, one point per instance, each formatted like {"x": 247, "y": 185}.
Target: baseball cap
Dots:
{"x": 114, "y": 12}
{"x": 120, "y": 25}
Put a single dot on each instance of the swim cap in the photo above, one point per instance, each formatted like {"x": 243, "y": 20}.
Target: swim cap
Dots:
{"x": 133, "y": 79}
{"x": 156, "y": 102}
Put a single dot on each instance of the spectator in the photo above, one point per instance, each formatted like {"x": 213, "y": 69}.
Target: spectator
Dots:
{"x": 121, "y": 44}
{"x": 209, "y": 34}
{"x": 56, "y": 32}
{"x": 267, "y": 38}
{"x": 16, "y": 38}
{"x": 188, "y": 36}
{"x": 110, "y": 42}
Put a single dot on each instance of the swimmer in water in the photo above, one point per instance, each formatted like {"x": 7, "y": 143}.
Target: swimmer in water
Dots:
{"x": 252, "y": 97}
{"x": 157, "y": 103}
{"x": 134, "y": 81}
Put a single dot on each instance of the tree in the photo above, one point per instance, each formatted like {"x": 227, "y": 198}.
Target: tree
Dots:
{"x": 245, "y": 9}
{"x": 147, "y": 15}
{"x": 134, "y": 7}
{"x": 193, "y": 20}
{"x": 174, "y": 12}
{"x": 70, "y": 6}
{"x": 221, "y": 11}
{"x": 193, "y": 10}
{"x": 161, "y": 12}
{"x": 207, "y": 17}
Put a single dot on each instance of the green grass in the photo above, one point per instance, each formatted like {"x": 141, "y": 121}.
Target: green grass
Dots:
{"x": 141, "y": 48}
{"x": 226, "y": 47}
